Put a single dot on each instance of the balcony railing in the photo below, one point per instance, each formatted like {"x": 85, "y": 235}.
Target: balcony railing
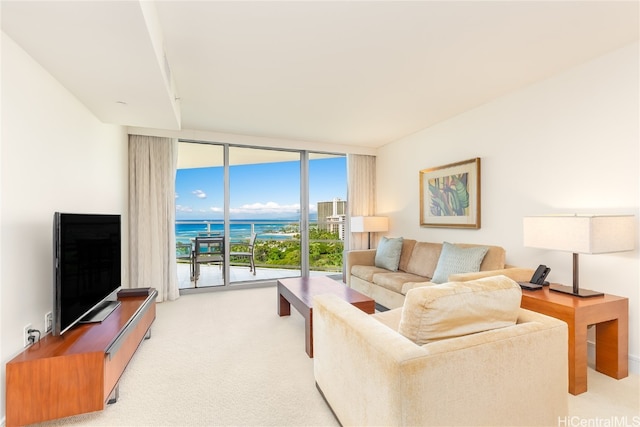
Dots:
{"x": 277, "y": 244}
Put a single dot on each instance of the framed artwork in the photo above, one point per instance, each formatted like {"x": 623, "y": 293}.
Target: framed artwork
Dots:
{"x": 450, "y": 195}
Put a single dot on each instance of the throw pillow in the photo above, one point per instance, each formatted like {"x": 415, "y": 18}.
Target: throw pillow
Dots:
{"x": 455, "y": 309}
{"x": 454, "y": 259}
{"x": 388, "y": 253}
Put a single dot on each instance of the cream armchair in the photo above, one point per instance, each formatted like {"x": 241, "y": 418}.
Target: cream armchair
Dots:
{"x": 370, "y": 374}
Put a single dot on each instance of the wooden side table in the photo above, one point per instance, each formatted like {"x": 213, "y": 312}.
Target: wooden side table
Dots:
{"x": 609, "y": 313}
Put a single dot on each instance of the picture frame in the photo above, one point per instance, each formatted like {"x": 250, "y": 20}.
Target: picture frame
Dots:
{"x": 450, "y": 195}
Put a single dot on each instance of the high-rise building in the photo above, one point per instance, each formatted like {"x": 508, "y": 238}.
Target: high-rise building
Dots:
{"x": 332, "y": 216}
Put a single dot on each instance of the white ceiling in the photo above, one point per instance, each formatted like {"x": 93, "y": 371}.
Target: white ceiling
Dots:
{"x": 345, "y": 72}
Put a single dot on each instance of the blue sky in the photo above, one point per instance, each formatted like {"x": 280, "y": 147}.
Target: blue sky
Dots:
{"x": 258, "y": 191}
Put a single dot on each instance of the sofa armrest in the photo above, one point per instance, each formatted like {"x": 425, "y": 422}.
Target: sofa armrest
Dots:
{"x": 357, "y": 257}
{"x": 514, "y": 273}
{"x": 371, "y": 375}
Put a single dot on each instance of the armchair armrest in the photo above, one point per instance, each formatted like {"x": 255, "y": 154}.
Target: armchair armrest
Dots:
{"x": 514, "y": 273}
{"x": 357, "y": 257}
{"x": 356, "y": 357}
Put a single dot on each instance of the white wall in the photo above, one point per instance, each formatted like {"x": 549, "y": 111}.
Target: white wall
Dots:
{"x": 56, "y": 156}
{"x": 567, "y": 144}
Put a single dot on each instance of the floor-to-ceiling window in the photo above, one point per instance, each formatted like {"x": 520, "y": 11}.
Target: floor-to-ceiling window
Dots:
{"x": 200, "y": 208}
{"x": 327, "y": 185}
{"x": 293, "y": 201}
{"x": 264, "y": 198}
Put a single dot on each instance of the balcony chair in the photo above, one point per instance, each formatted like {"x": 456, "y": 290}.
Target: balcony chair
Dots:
{"x": 208, "y": 250}
{"x": 184, "y": 253}
{"x": 248, "y": 253}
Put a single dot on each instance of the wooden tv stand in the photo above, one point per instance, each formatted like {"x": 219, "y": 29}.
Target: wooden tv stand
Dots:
{"x": 77, "y": 372}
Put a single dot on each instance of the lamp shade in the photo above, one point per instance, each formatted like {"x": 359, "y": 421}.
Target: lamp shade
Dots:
{"x": 585, "y": 234}
{"x": 369, "y": 224}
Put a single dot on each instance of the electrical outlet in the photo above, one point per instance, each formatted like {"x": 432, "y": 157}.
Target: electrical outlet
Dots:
{"x": 26, "y": 334}
{"x": 48, "y": 322}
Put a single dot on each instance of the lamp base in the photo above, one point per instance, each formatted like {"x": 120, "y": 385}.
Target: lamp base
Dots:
{"x": 582, "y": 293}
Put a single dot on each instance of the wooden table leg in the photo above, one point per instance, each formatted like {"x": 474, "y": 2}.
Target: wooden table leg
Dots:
{"x": 308, "y": 332}
{"x": 577, "y": 357}
{"x": 284, "y": 307}
{"x": 612, "y": 348}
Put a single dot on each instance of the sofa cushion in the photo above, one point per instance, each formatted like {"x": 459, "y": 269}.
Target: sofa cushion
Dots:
{"x": 388, "y": 253}
{"x": 494, "y": 259}
{"x": 424, "y": 259}
{"x": 410, "y": 285}
{"x": 405, "y": 255}
{"x": 366, "y": 272}
{"x": 389, "y": 318}
{"x": 396, "y": 280}
{"x": 456, "y": 259}
{"x": 453, "y": 309}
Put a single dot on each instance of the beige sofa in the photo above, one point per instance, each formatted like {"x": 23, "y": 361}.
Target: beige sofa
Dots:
{"x": 418, "y": 261}
{"x": 370, "y": 374}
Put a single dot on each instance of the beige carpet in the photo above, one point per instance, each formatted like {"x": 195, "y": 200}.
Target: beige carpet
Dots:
{"x": 227, "y": 358}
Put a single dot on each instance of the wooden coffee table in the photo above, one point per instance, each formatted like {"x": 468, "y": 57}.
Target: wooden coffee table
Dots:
{"x": 300, "y": 291}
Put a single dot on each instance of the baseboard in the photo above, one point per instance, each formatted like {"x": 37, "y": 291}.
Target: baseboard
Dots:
{"x": 634, "y": 361}
{"x": 634, "y": 364}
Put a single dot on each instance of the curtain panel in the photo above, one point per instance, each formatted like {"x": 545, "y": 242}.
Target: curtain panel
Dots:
{"x": 152, "y": 255}
{"x": 361, "y": 170}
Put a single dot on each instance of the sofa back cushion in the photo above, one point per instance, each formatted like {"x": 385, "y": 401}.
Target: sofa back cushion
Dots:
{"x": 424, "y": 259}
{"x": 421, "y": 258}
{"x": 453, "y": 309}
{"x": 405, "y": 256}
{"x": 455, "y": 259}
{"x": 493, "y": 260}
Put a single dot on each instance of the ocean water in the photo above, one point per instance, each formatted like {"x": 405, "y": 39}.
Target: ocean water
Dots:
{"x": 238, "y": 230}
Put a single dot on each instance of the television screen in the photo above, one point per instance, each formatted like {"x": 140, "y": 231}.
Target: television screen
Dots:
{"x": 87, "y": 266}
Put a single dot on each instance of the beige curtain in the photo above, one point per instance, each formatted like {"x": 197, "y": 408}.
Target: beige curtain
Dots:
{"x": 362, "y": 194}
{"x": 152, "y": 246}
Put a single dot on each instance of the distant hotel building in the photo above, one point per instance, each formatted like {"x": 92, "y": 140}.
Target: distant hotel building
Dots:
{"x": 332, "y": 216}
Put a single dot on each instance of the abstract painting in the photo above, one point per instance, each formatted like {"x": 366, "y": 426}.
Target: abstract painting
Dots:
{"x": 450, "y": 195}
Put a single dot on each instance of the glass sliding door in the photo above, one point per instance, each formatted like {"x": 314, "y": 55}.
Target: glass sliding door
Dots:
{"x": 200, "y": 225}
{"x": 264, "y": 200}
{"x": 327, "y": 176}
{"x": 247, "y": 214}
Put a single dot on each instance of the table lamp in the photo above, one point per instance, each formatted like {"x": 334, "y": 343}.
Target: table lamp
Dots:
{"x": 369, "y": 224}
{"x": 580, "y": 234}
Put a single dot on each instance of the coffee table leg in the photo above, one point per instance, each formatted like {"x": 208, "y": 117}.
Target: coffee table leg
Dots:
{"x": 284, "y": 307}
{"x": 308, "y": 332}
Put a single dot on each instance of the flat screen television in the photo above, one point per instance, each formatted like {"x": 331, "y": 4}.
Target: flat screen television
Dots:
{"x": 87, "y": 268}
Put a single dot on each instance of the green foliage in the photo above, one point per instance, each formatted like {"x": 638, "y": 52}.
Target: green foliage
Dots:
{"x": 325, "y": 251}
